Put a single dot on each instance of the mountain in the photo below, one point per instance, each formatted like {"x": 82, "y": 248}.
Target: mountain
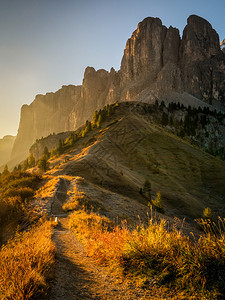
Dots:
{"x": 157, "y": 64}
{"x": 6, "y": 144}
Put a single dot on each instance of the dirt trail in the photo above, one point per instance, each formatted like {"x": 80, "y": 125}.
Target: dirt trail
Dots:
{"x": 59, "y": 198}
{"x": 78, "y": 277}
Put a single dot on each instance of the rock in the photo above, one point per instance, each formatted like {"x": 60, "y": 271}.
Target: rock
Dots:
{"x": 6, "y": 144}
{"x": 222, "y": 45}
{"x": 143, "y": 53}
{"x": 45, "y": 115}
{"x": 156, "y": 63}
{"x": 199, "y": 42}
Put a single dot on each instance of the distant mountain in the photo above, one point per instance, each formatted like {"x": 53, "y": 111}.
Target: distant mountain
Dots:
{"x": 157, "y": 64}
{"x": 6, "y": 144}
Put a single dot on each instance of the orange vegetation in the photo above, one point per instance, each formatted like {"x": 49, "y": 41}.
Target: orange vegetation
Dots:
{"x": 25, "y": 261}
{"x": 155, "y": 254}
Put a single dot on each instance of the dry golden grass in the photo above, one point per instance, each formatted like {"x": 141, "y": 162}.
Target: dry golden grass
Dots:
{"x": 48, "y": 190}
{"x": 75, "y": 199}
{"x": 156, "y": 254}
{"x": 25, "y": 261}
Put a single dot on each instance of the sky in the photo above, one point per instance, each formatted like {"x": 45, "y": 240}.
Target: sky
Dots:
{"x": 45, "y": 44}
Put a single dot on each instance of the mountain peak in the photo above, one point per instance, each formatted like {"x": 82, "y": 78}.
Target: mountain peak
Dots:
{"x": 157, "y": 64}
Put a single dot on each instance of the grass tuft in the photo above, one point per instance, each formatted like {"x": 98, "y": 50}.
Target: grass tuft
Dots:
{"x": 25, "y": 262}
{"x": 155, "y": 254}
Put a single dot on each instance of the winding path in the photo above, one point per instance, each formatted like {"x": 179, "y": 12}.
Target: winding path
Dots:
{"x": 76, "y": 274}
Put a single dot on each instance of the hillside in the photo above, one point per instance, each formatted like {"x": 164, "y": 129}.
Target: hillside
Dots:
{"x": 110, "y": 165}
{"x": 103, "y": 240}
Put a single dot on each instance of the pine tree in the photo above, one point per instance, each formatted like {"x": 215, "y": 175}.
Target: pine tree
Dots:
{"x": 25, "y": 165}
{"x": 95, "y": 117}
{"x": 99, "y": 121}
{"x": 165, "y": 120}
{"x": 147, "y": 189}
{"x": 43, "y": 163}
{"x": 60, "y": 147}
{"x": 31, "y": 160}
{"x": 46, "y": 152}
{"x": 5, "y": 171}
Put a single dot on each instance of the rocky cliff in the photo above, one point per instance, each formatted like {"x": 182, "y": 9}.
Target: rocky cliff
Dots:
{"x": 222, "y": 45}
{"x": 157, "y": 64}
{"x": 6, "y": 144}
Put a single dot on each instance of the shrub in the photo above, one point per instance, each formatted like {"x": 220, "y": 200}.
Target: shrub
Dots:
{"x": 207, "y": 213}
{"x": 157, "y": 202}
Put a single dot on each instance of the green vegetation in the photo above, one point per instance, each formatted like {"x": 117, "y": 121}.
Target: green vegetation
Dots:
{"x": 157, "y": 203}
{"x": 43, "y": 163}
{"x": 5, "y": 171}
{"x": 154, "y": 254}
{"x": 46, "y": 152}
{"x": 207, "y": 213}
{"x": 97, "y": 119}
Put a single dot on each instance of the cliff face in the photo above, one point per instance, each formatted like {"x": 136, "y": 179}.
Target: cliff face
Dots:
{"x": 6, "y": 144}
{"x": 45, "y": 115}
{"x": 222, "y": 45}
{"x": 65, "y": 110}
{"x": 158, "y": 56}
{"x": 156, "y": 63}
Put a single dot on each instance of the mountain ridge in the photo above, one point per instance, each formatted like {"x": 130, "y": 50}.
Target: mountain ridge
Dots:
{"x": 157, "y": 64}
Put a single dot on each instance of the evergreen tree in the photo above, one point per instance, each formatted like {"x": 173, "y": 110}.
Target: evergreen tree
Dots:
{"x": 88, "y": 126}
{"x": 147, "y": 189}
{"x": 99, "y": 121}
{"x": 25, "y": 165}
{"x": 95, "y": 117}
{"x": 60, "y": 147}
{"x": 156, "y": 103}
{"x": 165, "y": 120}
{"x": 5, "y": 171}
{"x": 162, "y": 104}
{"x": 46, "y": 152}
{"x": 31, "y": 160}
{"x": 43, "y": 163}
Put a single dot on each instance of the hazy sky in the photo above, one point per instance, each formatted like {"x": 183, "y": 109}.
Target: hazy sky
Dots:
{"x": 45, "y": 44}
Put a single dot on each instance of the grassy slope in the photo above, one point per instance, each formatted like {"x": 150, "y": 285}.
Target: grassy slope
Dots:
{"x": 124, "y": 153}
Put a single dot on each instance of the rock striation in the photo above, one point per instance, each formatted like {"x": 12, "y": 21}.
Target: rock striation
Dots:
{"x": 157, "y": 64}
